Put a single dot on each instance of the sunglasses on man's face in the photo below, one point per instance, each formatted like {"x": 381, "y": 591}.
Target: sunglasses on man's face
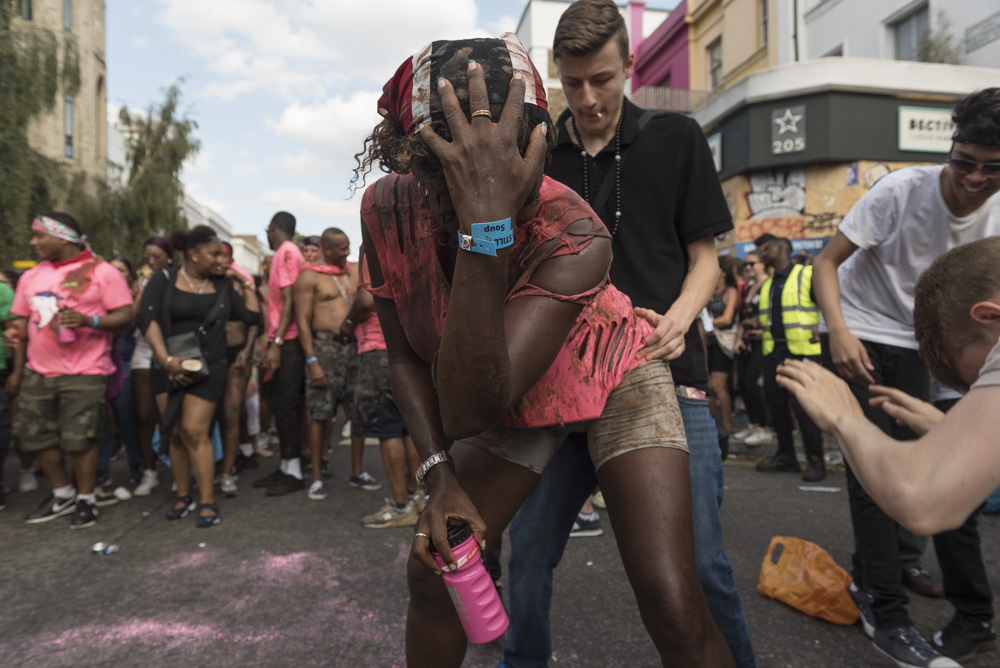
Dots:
{"x": 749, "y": 263}
{"x": 964, "y": 166}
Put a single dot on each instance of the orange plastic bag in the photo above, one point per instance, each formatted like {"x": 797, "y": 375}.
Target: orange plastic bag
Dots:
{"x": 804, "y": 575}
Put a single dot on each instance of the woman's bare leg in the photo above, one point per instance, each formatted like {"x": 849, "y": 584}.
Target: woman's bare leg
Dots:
{"x": 434, "y": 634}
{"x": 649, "y": 501}
{"x": 232, "y": 403}
{"x": 194, "y": 423}
{"x": 719, "y": 380}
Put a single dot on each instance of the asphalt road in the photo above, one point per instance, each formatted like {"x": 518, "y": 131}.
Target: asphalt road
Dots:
{"x": 291, "y": 582}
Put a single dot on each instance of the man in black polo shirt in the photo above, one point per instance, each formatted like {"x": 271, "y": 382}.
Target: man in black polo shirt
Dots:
{"x": 651, "y": 179}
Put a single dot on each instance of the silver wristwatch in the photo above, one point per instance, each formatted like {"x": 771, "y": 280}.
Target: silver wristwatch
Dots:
{"x": 428, "y": 464}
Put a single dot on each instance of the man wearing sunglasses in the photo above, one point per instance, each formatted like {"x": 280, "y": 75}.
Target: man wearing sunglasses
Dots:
{"x": 864, "y": 281}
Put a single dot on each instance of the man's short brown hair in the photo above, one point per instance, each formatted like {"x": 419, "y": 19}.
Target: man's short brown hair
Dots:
{"x": 943, "y": 299}
{"x": 587, "y": 26}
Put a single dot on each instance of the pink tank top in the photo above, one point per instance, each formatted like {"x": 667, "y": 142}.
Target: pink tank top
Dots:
{"x": 602, "y": 344}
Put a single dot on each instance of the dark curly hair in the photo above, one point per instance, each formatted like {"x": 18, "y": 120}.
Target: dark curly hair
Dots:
{"x": 978, "y": 118}
{"x": 393, "y": 151}
{"x": 184, "y": 240}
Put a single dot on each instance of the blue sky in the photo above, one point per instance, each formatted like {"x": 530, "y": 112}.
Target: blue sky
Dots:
{"x": 283, "y": 91}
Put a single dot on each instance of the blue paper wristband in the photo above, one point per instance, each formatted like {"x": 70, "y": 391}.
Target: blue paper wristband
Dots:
{"x": 94, "y": 325}
{"x": 312, "y": 359}
{"x": 486, "y": 238}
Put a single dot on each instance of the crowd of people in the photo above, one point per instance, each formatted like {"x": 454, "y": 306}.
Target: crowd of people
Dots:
{"x": 541, "y": 302}
{"x": 177, "y": 362}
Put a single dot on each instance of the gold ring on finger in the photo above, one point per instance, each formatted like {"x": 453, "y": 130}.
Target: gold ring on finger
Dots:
{"x": 483, "y": 112}
{"x": 421, "y": 535}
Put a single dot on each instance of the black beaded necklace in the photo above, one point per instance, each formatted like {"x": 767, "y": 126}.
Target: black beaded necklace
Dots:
{"x": 618, "y": 169}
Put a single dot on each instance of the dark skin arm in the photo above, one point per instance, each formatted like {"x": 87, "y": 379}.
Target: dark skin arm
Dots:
{"x": 118, "y": 321}
{"x": 511, "y": 344}
{"x": 272, "y": 358}
{"x": 302, "y": 294}
{"x": 15, "y": 337}
{"x": 361, "y": 308}
{"x": 489, "y": 180}
{"x": 249, "y": 295}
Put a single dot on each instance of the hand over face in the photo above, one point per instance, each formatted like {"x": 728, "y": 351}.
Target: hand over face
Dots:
{"x": 823, "y": 395}
{"x": 487, "y": 178}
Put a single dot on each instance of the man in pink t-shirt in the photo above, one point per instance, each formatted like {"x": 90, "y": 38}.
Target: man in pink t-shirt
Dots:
{"x": 284, "y": 364}
{"x": 67, "y": 307}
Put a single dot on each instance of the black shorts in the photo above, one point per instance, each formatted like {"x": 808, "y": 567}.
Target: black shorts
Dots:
{"x": 718, "y": 361}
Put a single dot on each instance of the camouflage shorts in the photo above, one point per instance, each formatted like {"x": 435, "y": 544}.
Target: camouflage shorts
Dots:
{"x": 68, "y": 412}
{"x": 340, "y": 363}
{"x": 375, "y": 412}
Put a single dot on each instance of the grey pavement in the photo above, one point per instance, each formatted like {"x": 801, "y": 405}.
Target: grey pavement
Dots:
{"x": 291, "y": 582}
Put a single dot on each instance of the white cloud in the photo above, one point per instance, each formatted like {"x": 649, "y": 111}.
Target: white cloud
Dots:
{"x": 315, "y": 213}
{"x": 140, "y": 42}
{"x": 306, "y": 48}
{"x": 331, "y": 131}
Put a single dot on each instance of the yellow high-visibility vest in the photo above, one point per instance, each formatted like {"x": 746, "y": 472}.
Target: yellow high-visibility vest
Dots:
{"x": 799, "y": 312}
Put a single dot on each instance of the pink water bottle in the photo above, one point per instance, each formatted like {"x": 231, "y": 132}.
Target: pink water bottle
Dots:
{"x": 66, "y": 334}
{"x": 471, "y": 589}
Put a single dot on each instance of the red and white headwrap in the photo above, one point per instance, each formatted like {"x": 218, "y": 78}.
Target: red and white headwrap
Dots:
{"x": 410, "y": 98}
{"x": 56, "y": 229}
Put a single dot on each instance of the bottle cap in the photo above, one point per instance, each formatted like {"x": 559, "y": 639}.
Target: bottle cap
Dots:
{"x": 458, "y": 534}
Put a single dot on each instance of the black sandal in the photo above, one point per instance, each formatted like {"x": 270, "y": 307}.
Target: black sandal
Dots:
{"x": 208, "y": 520}
{"x": 181, "y": 513}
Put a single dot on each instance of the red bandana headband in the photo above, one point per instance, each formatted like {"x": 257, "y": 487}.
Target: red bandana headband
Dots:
{"x": 410, "y": 97}
{"x": 56, "y": 229}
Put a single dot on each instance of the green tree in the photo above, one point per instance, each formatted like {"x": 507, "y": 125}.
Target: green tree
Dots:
{"x": 35, "y": 67}
{"x": 149, "y": 199}
{"x": 938, "y": 45}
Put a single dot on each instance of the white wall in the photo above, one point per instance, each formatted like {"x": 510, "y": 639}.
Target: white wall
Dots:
{"x": 246, "y": 255}
{"x": 864, "y": 27}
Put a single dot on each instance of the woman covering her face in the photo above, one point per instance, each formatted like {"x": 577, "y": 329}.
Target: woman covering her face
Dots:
{"x": 490, "y": 283}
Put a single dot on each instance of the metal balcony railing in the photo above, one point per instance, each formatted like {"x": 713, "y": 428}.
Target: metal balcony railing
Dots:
{"x": 678, "y": 100}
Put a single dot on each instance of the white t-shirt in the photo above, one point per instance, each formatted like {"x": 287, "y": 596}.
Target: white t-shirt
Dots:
{"x": 989, "y": 374}
{"x": 900, "y": 227}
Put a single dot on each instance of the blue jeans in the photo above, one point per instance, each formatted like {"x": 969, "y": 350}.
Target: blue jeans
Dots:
{"x": 539, "y": 532}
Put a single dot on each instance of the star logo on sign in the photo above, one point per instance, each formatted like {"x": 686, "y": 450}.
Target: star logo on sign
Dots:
{"x": 788, "y": 122}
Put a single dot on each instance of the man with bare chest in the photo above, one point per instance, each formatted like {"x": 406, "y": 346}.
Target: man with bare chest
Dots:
{"x": 323, "y": 294}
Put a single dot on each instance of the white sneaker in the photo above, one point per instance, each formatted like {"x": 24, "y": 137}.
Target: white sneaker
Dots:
{"x": 419, "y": 499}
{"x": 743, "y": 433}
{"x": 316, "y": 491}
{"x": 227, "y": 485}
{"x": 26, "y": 481}
{"x": 391, "y": 516}
{"x": 760, "y": 436}
{"x": 147, "y": 484}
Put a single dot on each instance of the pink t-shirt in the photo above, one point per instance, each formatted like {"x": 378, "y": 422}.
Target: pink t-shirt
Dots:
{"x": 247, "y": 278}
{"x": 368, "y": 332}
{"x": 284, "y": 272}
{"x": 85, "y": 284}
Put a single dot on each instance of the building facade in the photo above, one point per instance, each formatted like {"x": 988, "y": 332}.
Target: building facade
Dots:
{"x": 797, "y": 145}
{"x": 75, "y": 131}
{"x": 893, "y": 29}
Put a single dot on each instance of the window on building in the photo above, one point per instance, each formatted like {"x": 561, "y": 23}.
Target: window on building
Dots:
{"x": 908, "y": 33}
{"x": 68, "y": 123}
{"x": 763, "y": 22}
{"x": 25, "y": 9}
{"x": 715, "y": 64}
{"x": 68, "y": 14}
